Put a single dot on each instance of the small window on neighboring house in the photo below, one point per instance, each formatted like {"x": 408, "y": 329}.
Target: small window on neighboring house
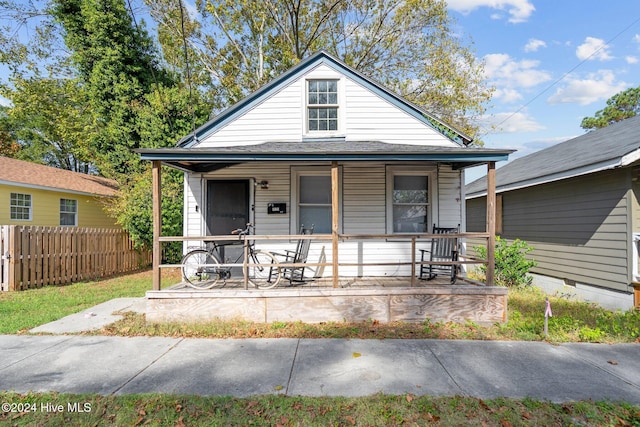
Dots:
{"x": 20, "y": 207}
{"x": 322, "y": 105}
{"x": 68, "y": 212}
{"x": 409, "y": 197}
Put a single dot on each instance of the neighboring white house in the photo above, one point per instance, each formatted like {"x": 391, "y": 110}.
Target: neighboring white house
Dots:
{"x": 268, "y": 160}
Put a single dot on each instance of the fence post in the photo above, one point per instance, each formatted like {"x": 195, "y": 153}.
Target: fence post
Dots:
{"x": 14, "y": 251}
{"x": 4, "y": 257}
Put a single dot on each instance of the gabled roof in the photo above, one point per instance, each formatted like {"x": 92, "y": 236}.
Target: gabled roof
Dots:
{"x": 32, "y": 175}
{"x": 300, "y": 69}
{"x": 614, "y": 146}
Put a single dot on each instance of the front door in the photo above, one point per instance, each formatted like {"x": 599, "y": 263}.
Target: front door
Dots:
{"x": 227, "y": 206}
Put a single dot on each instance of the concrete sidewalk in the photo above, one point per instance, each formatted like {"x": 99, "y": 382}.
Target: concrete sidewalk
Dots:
{"x": 319, "y": 367}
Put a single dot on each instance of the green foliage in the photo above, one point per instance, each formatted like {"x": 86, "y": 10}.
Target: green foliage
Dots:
{"x": 588, "y": 334}
{"x": 511, "y": 264}
{"x": 48, "y": 120}
{"x": 620, "y": 106}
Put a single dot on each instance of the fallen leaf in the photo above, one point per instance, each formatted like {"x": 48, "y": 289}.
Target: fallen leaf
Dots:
{"x": 526, "y": 415}
{"x": 351, "y": 420}
{"x": 356, "y": 354}
{"x": 612, "y": 362}
{"x": 429, "y": 416}
{"x": 278, "y": 388}
{"x": 409, "y": 397}
{"x": 505, "y": 423}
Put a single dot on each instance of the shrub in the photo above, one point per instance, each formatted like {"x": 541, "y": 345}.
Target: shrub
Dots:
{"x": 511, "y": 265}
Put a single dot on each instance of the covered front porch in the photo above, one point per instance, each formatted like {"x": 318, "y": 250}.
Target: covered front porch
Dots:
{"x": 349, "y": 288}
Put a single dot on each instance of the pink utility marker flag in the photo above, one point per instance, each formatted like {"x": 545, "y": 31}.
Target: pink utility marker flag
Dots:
{"x": 547, "y": 312}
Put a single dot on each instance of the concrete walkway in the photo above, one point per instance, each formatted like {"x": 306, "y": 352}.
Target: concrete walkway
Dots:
{"x": 309, "y": 367}
{"x": 319, "y": 367}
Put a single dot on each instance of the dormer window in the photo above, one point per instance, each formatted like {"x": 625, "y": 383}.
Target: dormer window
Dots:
{"x": 322, "y": 105}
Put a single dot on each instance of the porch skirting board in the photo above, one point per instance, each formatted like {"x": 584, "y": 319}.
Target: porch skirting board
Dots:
{"x": 458, "y": 303}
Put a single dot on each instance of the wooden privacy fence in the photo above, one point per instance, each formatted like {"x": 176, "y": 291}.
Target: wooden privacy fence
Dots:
{"x": 33, "y": 256}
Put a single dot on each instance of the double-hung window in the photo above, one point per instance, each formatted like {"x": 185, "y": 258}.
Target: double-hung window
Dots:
{"x": 68, "y": 212}
{"x": 409, "y": 202}
{"x": 20, "y": 207}
{"x": 311, "y": 199}
{"x": 322, "y": 105}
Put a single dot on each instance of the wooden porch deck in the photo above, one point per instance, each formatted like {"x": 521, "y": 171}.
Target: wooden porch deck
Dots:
{"x": 385, "y": 299}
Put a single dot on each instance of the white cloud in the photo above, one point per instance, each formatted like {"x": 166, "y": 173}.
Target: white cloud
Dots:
{"x": 636, "y": 38}
{"x": 593, "y": 48}
{"x": 511, "y": 123}
{"x": 631, "y": 59}
{"x": 509, "y": 75}
{"x": 533, "y": 45}
{"x": 507, "y": 95}
{"x": 519, "y": 10}
{"x": 596, "y": 87}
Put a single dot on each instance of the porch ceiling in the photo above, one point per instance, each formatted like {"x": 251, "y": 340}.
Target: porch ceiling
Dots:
{"x": 208, "y": 159}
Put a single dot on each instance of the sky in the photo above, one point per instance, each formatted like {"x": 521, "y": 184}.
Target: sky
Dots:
{"x": 552, "y": 63}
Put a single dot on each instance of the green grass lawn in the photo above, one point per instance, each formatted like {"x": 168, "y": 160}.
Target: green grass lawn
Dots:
{"x": 377, "y": 410}
{"x": 572, "y": 321}
{"x": 24, "y": 310}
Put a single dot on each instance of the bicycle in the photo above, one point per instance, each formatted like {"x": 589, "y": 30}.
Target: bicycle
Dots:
{"x": 201, "y": 267}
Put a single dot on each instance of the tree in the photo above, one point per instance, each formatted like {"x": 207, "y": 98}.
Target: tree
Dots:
{"x": 406, "y": 45}
{"x": 48, "y": 121}
{"x": 117, "y": 64}
{"x": 620, "y": 106}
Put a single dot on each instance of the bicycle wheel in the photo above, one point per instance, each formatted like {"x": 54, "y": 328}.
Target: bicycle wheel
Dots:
{"x": 200, "y": 269}
{"x": 267, "y": 274}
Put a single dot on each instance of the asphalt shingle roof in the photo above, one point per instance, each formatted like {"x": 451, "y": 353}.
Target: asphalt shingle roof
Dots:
{"x": 33, "y": 174}
{"x": 602, "y": 148}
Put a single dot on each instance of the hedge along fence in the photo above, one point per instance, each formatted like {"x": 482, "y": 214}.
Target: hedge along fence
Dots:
{"x": 34, "y": 256}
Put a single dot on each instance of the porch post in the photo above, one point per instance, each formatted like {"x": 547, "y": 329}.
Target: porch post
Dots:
{"x": 334, "y": 221}
{"x": 491, "y": 222}
{"x": 157, "y": 223}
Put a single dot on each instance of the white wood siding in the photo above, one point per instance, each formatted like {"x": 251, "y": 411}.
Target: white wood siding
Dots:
{"x": 363, "y": 116}
{"x": 364, "y": 201}
{"x": 371, "y": 118}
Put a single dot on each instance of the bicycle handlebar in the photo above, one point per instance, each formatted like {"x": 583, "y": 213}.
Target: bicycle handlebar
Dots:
{"x": 240, "y": 232}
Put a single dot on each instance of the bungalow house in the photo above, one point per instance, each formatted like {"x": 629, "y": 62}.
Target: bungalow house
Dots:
{"x": 34, "y": 194}
{"x": 324, "y": 145}
{"x": 577, "y": 204}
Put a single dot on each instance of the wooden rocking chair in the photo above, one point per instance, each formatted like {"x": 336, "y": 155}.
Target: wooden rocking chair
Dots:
{"x": 299, "y": 256}
{"x": 442, "y": 249}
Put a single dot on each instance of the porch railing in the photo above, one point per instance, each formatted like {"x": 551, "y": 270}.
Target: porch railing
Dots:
{"x": 411, "y": 239}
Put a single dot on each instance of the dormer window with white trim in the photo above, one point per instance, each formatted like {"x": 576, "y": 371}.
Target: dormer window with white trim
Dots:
{"x": 322, "y": 106}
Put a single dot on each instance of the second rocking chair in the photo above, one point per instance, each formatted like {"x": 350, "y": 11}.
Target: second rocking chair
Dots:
{"x": 442, "y": 249}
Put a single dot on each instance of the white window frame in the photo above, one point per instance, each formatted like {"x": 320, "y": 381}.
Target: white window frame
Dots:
{"x": 13, "y": 204}
{"x": 75, "y": 213}
{"x": 296, "y": 173}
{"x": 339, "y": 107}
{"x": 432, "y": 202}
